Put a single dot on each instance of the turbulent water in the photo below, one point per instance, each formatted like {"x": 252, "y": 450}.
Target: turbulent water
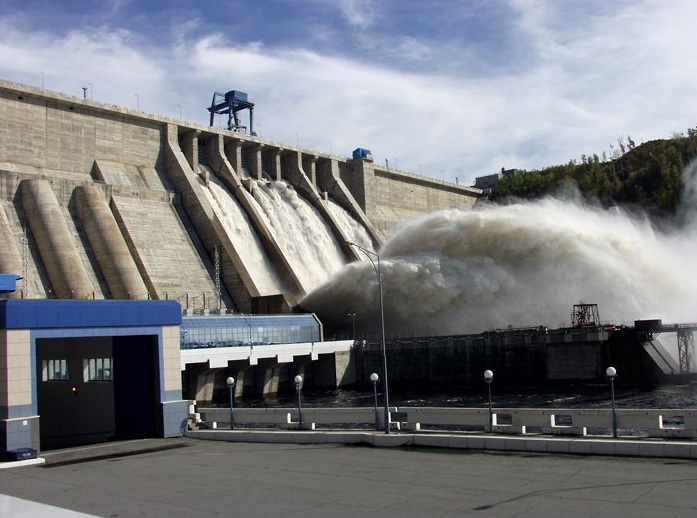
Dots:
{"x": 305, "y": 238}
{"x": 241, "y": 232}
{"x": 453, "y": 272}
{"x": 595, "y": 395}
{"x": 354, "y": 231}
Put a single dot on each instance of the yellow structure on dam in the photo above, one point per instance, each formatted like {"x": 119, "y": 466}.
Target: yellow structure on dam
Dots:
{"x": 104, "y": 202}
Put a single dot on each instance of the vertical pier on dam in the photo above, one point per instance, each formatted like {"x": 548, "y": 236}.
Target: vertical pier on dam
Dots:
{"x": 56, "y": 246}
{"x": 113, "y": 255}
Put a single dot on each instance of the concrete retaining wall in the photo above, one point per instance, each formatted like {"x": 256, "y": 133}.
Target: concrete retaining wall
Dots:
{"x": 650, "y": 423}
{"x": 527, "y": 444}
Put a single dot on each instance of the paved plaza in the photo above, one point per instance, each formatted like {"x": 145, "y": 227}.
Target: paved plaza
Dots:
{"x": 190, "y": 478}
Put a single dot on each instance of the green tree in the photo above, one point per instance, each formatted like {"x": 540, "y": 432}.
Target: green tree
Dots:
{"x": 648, "y": 175}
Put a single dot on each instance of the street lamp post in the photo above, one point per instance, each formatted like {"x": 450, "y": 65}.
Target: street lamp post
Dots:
{"x": 230, "y": 384}
{"x": 488, "y": 377}
{"x": 374, "y": 380}
{"x": 298, "y": 385}
{"x": 370, "y": 254}
{"x": 353, "y": 325}
{"x": 611, "y": 373}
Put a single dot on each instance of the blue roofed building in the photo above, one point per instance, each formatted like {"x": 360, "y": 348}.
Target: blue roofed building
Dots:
{"x": 78, "y": 372}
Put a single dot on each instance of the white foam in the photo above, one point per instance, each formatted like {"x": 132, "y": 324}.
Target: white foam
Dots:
{"x": 243, "y": 237}
{"x": 452, "y": 271}
{"x": 307, "y": 241}
{"x": 352, "y": 229}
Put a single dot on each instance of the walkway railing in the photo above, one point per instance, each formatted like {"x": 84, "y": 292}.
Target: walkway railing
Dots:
{"x": 636, "y": 423}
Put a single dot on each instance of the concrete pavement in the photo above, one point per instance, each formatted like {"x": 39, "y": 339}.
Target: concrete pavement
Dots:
{"x": 219, "y": 478}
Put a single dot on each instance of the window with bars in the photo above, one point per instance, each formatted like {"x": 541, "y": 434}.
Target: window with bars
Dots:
{"x": 54, "y": 370}
{"x": 97, "y": 369}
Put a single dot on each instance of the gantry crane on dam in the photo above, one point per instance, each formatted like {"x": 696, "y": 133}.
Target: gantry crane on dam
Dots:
{"x": 230, "y": 103}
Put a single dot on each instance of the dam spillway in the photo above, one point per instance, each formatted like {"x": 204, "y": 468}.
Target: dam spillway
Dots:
{"x": 99, "y": 201}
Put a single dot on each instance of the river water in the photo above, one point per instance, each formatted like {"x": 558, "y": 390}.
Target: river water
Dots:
{"x": 681, "y": 395}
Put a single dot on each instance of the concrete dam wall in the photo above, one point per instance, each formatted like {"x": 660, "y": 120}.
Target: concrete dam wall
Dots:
{"x": 98, "y": 201}
{"x": 519, "y": 358}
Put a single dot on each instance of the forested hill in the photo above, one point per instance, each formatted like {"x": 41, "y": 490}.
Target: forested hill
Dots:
{"x": 648, "y": 175}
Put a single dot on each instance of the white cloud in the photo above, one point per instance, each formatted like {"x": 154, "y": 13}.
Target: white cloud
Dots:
{"x": 412, "y": 49}
{"x": 358, "y": 13}
{"x": 585, "y": 81}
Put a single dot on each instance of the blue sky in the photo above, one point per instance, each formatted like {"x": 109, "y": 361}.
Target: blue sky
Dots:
{"x": 444, "y": 88}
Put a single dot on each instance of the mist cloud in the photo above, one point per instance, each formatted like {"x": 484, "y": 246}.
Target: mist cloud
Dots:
{"x": 524, "y": 264}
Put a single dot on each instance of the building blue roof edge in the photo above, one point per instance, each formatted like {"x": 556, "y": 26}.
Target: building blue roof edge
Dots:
{"x": 60, "y": 314}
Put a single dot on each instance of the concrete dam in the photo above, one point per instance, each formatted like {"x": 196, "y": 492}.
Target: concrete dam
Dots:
{"x": 104, "y": 202}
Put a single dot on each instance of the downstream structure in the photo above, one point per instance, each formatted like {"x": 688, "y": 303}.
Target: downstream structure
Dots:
{"x": 103, "y": 202}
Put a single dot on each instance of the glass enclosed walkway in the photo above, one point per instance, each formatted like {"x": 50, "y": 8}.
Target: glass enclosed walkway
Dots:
{"x": 245, "y": 330}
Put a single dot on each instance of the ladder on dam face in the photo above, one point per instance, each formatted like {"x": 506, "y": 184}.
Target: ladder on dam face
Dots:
{"x": 686, "y": 349}
{"x": 25, "y": 261}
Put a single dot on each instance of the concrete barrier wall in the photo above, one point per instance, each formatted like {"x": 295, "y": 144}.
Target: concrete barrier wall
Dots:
{"x": 448, "y": 361}
{"x": 51, "y": 131}
{"x": 283, "y": 417}
{"x": 652, "y": 423}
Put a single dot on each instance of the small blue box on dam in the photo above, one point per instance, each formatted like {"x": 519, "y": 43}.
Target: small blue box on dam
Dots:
{"x": 235, "y": 95}
{"x": 362, "y": 154}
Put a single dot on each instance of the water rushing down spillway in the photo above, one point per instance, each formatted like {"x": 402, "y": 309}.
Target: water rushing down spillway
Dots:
{"x": 352, "y": 229}
{"x": 305, "y": 238}
{"x": 243, "y": 237}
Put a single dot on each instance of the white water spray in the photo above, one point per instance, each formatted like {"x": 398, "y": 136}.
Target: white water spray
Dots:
{"x": 352, "y": 229}
{"x": 306, "y": 240}
{"x": 527, "y": 264}
{"x": 243, "y": 237}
